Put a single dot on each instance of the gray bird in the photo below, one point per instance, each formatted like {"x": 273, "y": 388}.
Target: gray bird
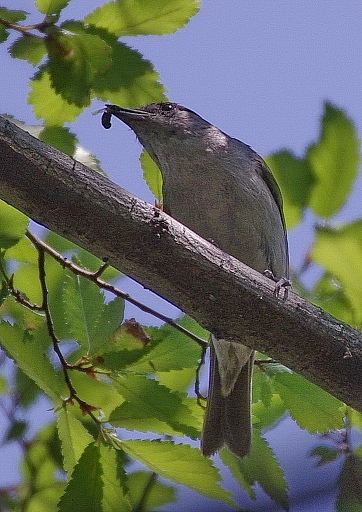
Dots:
{"x": 224, "y": 191}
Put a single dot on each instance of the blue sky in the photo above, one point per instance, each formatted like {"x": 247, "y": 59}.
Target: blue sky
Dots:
{"x": 260, "y": 71}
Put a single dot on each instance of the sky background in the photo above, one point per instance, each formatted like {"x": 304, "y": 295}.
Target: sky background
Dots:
{"x": 260, "y": 71}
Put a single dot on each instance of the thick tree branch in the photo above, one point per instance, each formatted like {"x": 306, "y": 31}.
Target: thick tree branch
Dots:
{"x": 224, "y": 295}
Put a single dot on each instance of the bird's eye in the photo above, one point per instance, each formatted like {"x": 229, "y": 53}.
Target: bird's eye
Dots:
{"x": 167, "y": 107}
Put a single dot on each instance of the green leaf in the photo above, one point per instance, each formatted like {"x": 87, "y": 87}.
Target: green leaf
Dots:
{"x": 339, "y": 251}
{"x": 49, "y": 105}
{"x": 334, "y": 160}
{"x": 84, "y": 492}
{"x": 13, "y": 225}
{"x": 181, "y": 464}
{"x": 96, "y": 392}
{"x": 260, "y": 467}
{"x": 31, "y": 49}
{"x": 326, "y": 454}
{"x": 131, "y": 80}
{"x": 28, "y": 353}
{"x": 134, "y": 17}
{"x": 172, "y": 350}
{"x": 152, "y": 175}
{"x": 349, "y": 497}
{"x": 266, "y": 415}
{"x": 74, "y": 62}
{"x": 111, "y": 316}
{"x": 74, "y": 437}
{"x": 40, "y": 482}
{"x": 328, "y": 294}
{"x": 51, "y": 6}
{"x": 84, "y": 305}
{"x": 60, "y": 138}
{"x": 9, "y": 15}
{"x": 295, "y": 180}
{"x": 151, "y": 406}
{"x": 144, "y": 488}
{"x": 312, "y": 408}
{"x": 115, "y": 491}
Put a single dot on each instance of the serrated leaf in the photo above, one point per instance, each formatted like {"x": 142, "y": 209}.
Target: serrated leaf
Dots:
{"x": 74, "y": 438}
{"x": 31, "y": 49}
{"x": 97, "y": 393}
{"x": 146, "y": 401}
{"x": 143, "y": 487}
{"x": 173, "y": 350}
{"x": 181, "y": 464}
{"x": 334, "y": 160}
{"x": 28, "y": 353}
{"x": 339, "y": 251}
{"x": 13, "y": 225}
{"x": 84, "y": 306}
{"x": 10, "y": 15}
{"x": 49, "y": 105}
{"x": 325, "y": 454}
{"x": 152, "y": 175}
{"x": 111, "y": 316}
{"x": 51, "y": 6}
{"x": 312, "y": 408}
{"x": 84, "y": 491}
{"x": 74, "y": 62}
{"x": 60, "y": 138}
{"x": 267, "y": 415}
{"x": 131, "y": 80}
{"x": 349, "y": 497}
{"x": 295, "y": 179}
{"x": 134, "y": 17}
{"x": 115, "y": 485}
{"x": 260, "y": 467}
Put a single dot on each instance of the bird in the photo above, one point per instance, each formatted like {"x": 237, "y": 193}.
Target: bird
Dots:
{"x": 223, "y": 190}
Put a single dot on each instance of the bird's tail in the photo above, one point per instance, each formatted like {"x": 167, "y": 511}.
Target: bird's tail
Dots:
{"x": 228, "y": 418}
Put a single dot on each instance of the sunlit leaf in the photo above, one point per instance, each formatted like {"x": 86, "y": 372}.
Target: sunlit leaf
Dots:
{"x": 31, "y": 49}
{"x": 313, "y": 408}
{"x": 84, "y": 305}
{"x": 146, "y": 399}
{"x": 49, "y": 105}
{"x": 74, "y": 62}
{"x": 339, "y": 251}
{"x": 131, "y": 80}
{"x": 13, "y": 225}
{"x": 134, "y": 17}
{"x": 181, "y": 464}
{"x": 260, "y": 467}
{"x": 152, "y": 175}
{"x": 295, "y": 180}
{"x": 28, "y": 353}
{"x": 51, "y": 6}
{"x": 73, "y": 436}
{"x": 334, "y": 161}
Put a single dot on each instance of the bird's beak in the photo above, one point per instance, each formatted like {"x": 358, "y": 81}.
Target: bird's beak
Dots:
{"x": 123, "y": 113}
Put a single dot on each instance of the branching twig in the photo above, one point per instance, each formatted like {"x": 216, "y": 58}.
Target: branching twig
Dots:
{"x": 94, "y": 277}
{"x": 86, "y": 408}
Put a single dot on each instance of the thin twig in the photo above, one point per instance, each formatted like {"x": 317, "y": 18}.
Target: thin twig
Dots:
{"x": 94, "y": 277}
{"x": 86, "y": 408}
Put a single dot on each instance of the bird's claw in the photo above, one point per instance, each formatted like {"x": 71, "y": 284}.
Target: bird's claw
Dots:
{"x": 280, "y": 283}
